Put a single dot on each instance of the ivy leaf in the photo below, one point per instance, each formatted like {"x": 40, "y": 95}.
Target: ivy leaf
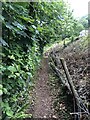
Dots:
{"x": 40, "y": 28}
{"x": 29, "y": 74}
{"x": 9, "y": 113}
{"x": 27, "y": 19}
{"x": 18, "y": 74}
{"x": 12, "y": 69}
{"x": 11, "y": 57}
{"x": 5, "y": 90}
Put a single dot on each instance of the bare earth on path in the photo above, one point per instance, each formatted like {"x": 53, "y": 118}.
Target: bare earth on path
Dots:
{"x": 43, "y": 100}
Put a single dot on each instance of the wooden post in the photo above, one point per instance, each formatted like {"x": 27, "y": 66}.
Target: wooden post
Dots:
{"x": 79, "y": 103}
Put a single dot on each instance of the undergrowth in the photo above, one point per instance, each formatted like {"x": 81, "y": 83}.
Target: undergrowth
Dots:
{"x": 62, "y": 100}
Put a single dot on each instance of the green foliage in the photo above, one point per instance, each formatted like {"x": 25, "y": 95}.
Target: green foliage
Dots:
{"x": 17, "y": 75}
{"x": 84, "y": 21}
{"x": 26, "y": 29}
{"x": 20, "y": 58}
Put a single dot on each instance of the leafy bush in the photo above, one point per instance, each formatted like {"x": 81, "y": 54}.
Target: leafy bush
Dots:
{"x": 17, "y": 69}
{"x": 26, "y": 29}
{"x": 20, "y": 56}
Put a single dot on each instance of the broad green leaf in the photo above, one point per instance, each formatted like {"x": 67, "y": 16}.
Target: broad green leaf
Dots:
{"x": 12, "y": 68}
{"x": 11, "y": 57}
{"x": 9, "y": 113}
{"x": 40, "y": 28}
{"x": 18, "y": 74}
{"x": 27, "y": 19}
{"x": 5, "y": 90}
{"x": 2, "y": 68}
{"x": 29, "y": 74}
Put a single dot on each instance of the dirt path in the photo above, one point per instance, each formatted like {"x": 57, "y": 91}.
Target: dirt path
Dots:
{"x": 43, "y": 103}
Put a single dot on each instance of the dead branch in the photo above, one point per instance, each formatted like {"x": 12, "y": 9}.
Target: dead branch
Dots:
{"x": 78, "y": 100}
{"x": 55, "y": 63}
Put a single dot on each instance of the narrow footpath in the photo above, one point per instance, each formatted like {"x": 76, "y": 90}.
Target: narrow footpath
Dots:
{"x": 43, "y": 100}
